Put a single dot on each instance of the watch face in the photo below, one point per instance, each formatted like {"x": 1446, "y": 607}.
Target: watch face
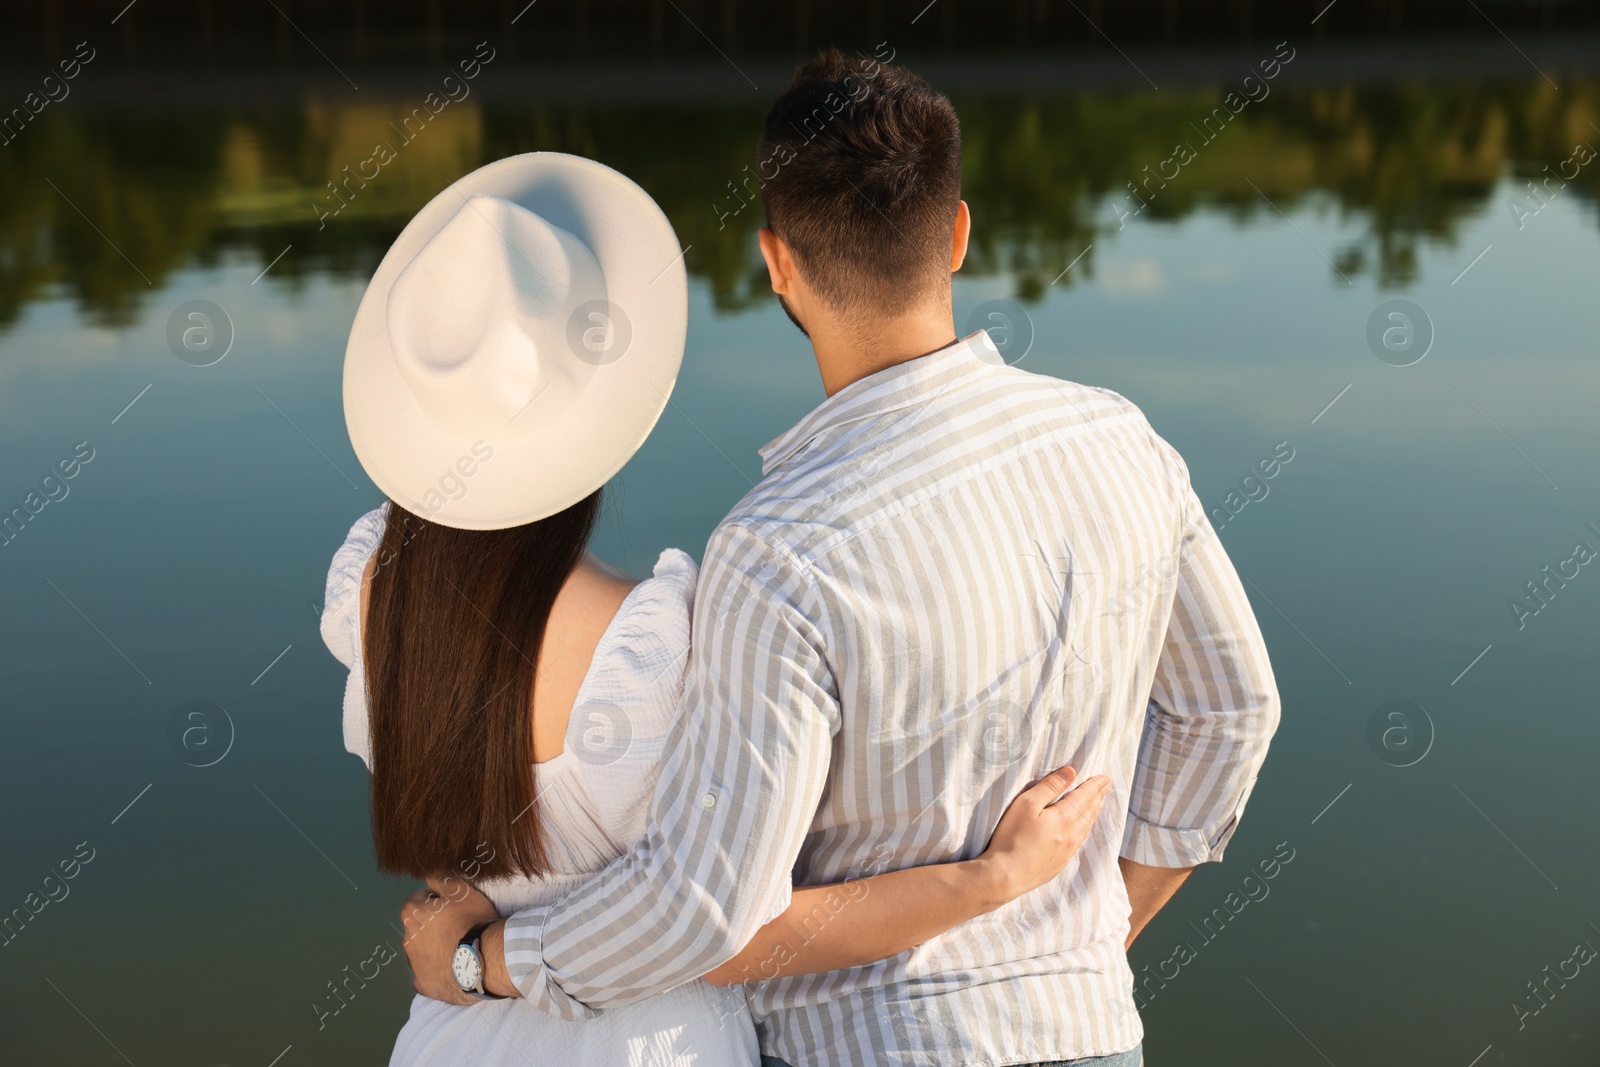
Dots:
{"x": 465, "y": 967}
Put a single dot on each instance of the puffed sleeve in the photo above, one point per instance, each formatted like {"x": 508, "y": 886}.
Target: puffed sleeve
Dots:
{"x": 341, "y": 622}
{"x": 632, "y": 693}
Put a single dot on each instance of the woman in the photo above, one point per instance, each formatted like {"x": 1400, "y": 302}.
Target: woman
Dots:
{"x": 512, "y": 694}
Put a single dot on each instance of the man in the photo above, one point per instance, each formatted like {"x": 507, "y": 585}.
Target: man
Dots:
{"x": 955, "y": 577}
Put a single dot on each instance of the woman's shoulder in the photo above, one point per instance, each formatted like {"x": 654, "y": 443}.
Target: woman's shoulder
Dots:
{"x": 642, "y": 658}
{"x": 630, "y": 696}
{"x": 648, "y": 639}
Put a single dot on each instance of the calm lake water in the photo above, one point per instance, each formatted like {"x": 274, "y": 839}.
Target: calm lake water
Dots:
{"x": 1440, "y": 861}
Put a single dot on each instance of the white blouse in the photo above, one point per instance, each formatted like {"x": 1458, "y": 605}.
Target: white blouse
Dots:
{"x": 592, "y": 799}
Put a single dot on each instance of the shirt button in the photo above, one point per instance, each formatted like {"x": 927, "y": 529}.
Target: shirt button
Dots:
{"x": 708, "y": 801}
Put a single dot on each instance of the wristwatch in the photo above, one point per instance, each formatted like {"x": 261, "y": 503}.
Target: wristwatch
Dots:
{"x": 467, "y": 964}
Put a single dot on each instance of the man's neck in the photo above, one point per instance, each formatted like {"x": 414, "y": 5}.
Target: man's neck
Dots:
{"x": 846, "y": 356}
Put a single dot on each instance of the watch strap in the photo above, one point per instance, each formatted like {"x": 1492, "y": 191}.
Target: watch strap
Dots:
{"x": 472, "y": 939}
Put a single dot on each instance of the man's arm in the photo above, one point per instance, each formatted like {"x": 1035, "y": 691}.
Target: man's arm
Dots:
{"x": 1149, "y": 889}
{"x": 1213, "y": 709}
{"x": 742, "y": 773}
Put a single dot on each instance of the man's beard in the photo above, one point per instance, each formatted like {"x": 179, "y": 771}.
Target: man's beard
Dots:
{"x": 787, "y": 310}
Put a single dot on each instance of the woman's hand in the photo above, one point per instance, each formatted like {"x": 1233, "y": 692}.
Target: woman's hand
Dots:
{"x": 1036, "y": 838}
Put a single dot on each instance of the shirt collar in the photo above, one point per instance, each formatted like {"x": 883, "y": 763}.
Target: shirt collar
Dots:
{"x": 888, "y": 389}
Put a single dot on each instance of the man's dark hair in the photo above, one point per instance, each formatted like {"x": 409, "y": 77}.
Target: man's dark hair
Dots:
{"x": 860, "y": 164}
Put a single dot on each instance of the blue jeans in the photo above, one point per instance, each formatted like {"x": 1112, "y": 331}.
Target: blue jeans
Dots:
{"x": 1134, "y": 1057}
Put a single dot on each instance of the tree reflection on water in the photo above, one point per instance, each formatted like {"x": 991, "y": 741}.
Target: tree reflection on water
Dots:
{"x": 105, "y": 204}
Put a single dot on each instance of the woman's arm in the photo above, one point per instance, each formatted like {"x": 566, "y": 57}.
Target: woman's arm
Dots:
{"x": 861, "y": 921}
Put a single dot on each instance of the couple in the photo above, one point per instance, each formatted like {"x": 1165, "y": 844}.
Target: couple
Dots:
{"x": 960, "y": 694}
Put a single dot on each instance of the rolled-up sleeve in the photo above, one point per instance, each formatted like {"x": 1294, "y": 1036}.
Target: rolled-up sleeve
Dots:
{"x": 1213, "y": 709}
{"x": 742, "y": 774}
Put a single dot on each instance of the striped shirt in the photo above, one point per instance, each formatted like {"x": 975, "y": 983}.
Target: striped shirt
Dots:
{"x": 955, "y": 577}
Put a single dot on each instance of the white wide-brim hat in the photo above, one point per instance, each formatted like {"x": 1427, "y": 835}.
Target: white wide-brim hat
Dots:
{"x": 517, "y": 343}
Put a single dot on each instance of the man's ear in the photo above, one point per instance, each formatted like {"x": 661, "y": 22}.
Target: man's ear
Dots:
{"x": 780, "y": 262}
{"x": 958, "y": 241}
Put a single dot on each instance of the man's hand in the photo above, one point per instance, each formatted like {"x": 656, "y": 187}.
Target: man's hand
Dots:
{"x": 436, "y": 918}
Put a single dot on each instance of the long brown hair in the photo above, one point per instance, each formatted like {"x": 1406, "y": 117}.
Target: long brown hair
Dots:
{"x": 453, "y": 629}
